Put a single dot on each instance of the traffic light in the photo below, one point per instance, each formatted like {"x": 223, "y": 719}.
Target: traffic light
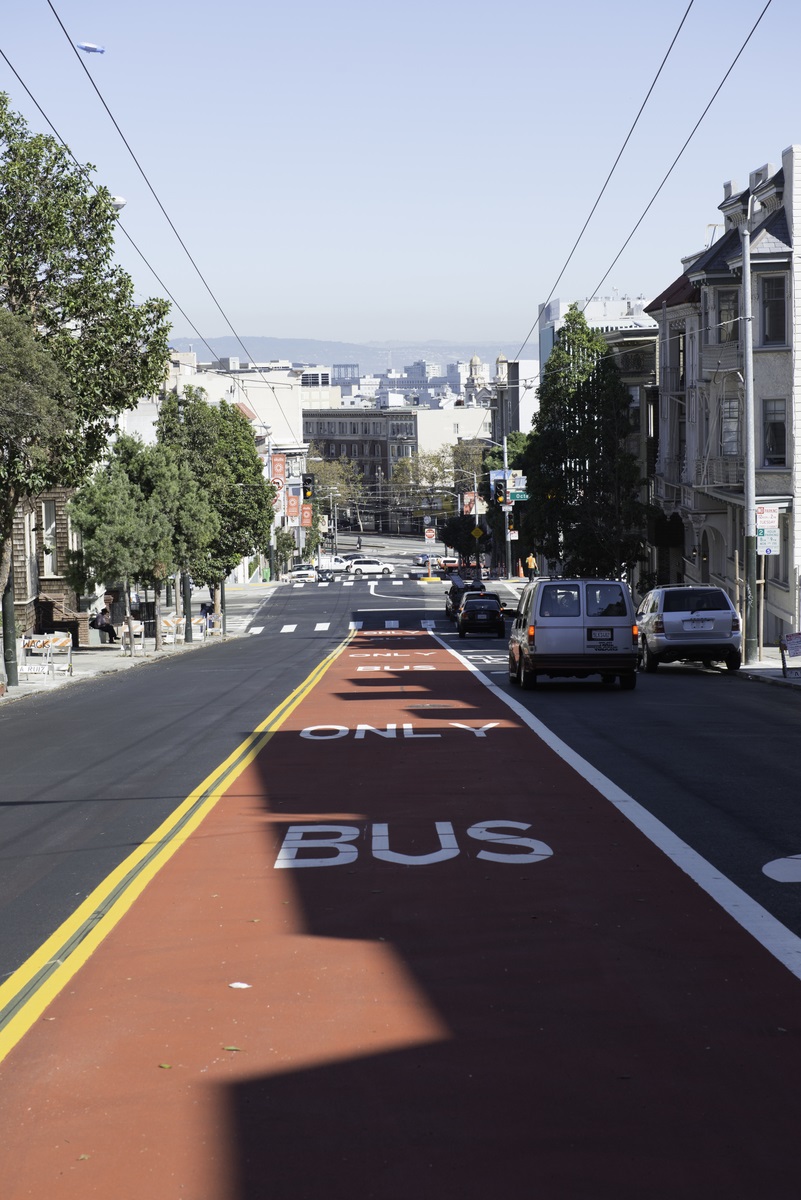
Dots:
{"x": 307, "y": 484}
{"x": 500, "y": 491}
{"x": 510, "y": 521}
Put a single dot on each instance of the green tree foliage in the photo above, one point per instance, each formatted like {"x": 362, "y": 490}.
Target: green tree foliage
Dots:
{"x": 218, "y": 445}
{"x": 36, "y": 413}
{"x": 56, "y": 272}
{"x": 583, "y": 485}
{"x": 420, "y": 482}
{"x": 458, "y": 533}
{"x": 139, "y": 514}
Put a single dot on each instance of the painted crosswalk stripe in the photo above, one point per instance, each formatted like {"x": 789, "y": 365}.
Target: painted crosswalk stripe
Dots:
{"x": 348, "y": 583}
{"x": 288, "y": 628}
{"x": 427, "y": 624}
{"x": 391, "y": 624}
{"x": 256, "y": 629}
{"x": 355, "y": 624}
{"x": 323, "y": 585}
{"x": 397, "y": 582}
{"x": 321, "y": 626}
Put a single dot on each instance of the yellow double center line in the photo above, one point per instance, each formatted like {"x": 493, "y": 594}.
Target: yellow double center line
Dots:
{"x": 26, "y": 994}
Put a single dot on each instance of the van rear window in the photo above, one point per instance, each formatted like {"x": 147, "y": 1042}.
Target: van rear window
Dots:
{"x": 605, "y": 600}
{"x": 560, "y": 600}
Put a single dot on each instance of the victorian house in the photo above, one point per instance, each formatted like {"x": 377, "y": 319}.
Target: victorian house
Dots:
{"x": 698, "y": 423}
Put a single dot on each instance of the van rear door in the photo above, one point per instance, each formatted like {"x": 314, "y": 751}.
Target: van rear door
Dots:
{"x": 608, "y": 618}
{"x": 559, "y": 620}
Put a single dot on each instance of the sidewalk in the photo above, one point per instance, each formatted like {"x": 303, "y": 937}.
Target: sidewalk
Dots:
{"x": 91, "y": 661}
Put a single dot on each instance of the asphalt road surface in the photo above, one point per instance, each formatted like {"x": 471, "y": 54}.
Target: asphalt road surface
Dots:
{"x": 495, "y": 943}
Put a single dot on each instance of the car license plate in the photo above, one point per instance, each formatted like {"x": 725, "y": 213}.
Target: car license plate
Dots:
{"x": 697, "y": 623}
{"x": 601, "y": 635}
{"x": 481, "y": 616}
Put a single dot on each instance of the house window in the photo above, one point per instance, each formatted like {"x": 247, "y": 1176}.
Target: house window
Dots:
{"x": 354, "y": 450}
{"x": 728, "y": 312}
{"x": 774, "y": 323}
{"x": 705, "y": 318}
{"x": 730, "y": 427}
{"x": 774, "y": 432}
{"x": 49, "y": 537}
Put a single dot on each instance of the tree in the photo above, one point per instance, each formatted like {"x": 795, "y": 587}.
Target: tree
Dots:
{"x": 583, "y": 485}
{"x": 422, "y": 478}
{"x": 138, "y": 514}
{"x": 36, "y": 414}
{"x": 56, "y": 271}
{"x": 458, "y": 533}
{"x": 218, "y": 444}
{"x": 340, "y": 475}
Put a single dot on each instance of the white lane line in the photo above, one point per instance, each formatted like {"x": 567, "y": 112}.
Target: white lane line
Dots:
{"x": 288, "y": 628}
{"x": 322, "y": 626}
{"x": 356, "y": 625}
{"x": 777, "y": 939}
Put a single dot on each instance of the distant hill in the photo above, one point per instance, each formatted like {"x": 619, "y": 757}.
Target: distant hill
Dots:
{"x": 372, "y": 357}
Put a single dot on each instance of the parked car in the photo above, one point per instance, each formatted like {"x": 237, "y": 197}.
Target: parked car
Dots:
{"x": 370, "y": 566}
{"x": 422, "y": 560}
{"x": 299, "y": 573}
{"x": 481, "y": 612}
{"x": 574, "y": 628}
{"x": 689, "y": 623}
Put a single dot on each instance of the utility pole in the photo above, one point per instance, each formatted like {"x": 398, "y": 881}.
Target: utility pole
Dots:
{"x": 751, "y": 654}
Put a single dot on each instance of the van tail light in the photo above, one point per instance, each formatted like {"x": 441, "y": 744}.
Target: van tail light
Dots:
{"x": 659, "y": 625}
{"x": 532, "y": 629}
{"x": 735, "y": 623}
{"x": 635, "y": 634}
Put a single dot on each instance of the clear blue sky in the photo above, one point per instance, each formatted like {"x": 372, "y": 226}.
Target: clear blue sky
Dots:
{"x": 376, "y": 171}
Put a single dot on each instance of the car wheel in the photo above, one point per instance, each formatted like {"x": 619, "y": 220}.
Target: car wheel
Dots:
{"x": 649, "y": 660}
{"x": 734, "y": 660}
{"x": 607, "y": 680}
{"x": 526, "y": 679}
{"x": 512, "y": 670}
{"x": 628, "y": 681}
{"x": 386, "y": 571}
{"x": 358, "y": 571}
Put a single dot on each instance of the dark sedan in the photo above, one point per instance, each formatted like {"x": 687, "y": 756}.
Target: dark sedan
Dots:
{"x": 481, "y": 614}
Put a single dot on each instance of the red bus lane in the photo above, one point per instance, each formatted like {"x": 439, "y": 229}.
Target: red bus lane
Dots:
{"x": 467, "y": 974}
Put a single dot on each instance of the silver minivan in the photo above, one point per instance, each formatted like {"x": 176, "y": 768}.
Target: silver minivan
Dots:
{"x": 574, "y": 628}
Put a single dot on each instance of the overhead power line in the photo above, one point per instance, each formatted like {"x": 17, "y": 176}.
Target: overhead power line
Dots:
{"x": 609, "y": 176}
{"x": 166, "y": 215}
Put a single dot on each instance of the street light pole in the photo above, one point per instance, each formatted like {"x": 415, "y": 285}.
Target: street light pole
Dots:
{"x": 507, "y": 543}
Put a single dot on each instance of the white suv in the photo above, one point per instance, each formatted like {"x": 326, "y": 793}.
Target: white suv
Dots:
{"x": 688, "y": 623}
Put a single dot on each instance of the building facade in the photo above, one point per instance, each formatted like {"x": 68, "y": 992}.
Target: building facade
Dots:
{"x": 699, "y": 478}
